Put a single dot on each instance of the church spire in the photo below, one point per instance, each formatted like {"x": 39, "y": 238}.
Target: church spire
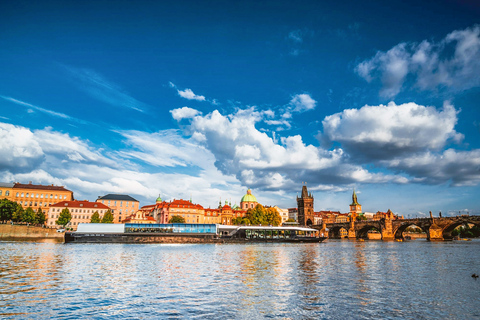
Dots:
{"x": 354, "y": 199}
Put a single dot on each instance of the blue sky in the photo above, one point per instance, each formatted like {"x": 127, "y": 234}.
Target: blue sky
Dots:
{"x": 204, "y": 99}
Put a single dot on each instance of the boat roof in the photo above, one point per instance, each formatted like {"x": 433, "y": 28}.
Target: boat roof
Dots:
{"x": 227, "y": 227}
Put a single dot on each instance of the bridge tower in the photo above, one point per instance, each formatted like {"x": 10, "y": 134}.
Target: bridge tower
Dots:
{"x": 305, "y": 208}
{"x": 355, "y": 207}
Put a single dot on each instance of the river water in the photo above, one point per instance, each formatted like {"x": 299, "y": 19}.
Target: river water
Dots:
{"x": 337, "y": 279}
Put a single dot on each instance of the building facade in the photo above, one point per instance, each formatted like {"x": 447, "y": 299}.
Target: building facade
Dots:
{"x": 293, "y": 213}
{"x": 306, "y": 215}
{"x": 283, "y": 213}
{"x": 81, "y": 212}
{"x": 34, "y": 195}
{"x": 162, "y": 211}
{"x": 121, "y": 205}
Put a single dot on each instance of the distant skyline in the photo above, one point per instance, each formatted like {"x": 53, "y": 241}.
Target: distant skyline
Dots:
{"x": 205, "y": 99}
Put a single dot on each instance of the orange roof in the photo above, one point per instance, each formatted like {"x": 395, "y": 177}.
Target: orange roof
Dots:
{"x": 82, "y": 204}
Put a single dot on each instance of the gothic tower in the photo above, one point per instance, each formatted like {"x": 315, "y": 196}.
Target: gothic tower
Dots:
{"x": 305, "y": 208}
{"x": 355, "y": 207}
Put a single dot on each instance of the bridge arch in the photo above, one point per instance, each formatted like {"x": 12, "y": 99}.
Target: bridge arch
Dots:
{"x": 334, "y": 232}
{"x": 398, "y": 233}
{"x": 362, "y": 231}
{"x": 447, "y": 231}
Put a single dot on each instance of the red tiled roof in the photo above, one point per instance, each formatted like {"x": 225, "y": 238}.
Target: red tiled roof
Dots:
{"x": 39, "y": 187}
{"x": 78, "y": 204}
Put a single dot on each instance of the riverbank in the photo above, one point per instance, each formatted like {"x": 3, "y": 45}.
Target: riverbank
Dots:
{"x": 22, "y": 232}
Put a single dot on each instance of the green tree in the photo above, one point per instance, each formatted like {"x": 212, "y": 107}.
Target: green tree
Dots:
{"x": 290, "y": 220}
{"x": 107, "y": 217}
{"x": 7, "y": 208}
{"x": 18, "y": 214}
{"x": 257, "y": 215}
{"x": 273, "y": 217}
{"x": 29, "y": 215}
{"x": 176, "y": 219}
{"x": 40, "y": 217}
{"x": 95, "y": 218}
{"x": 64, "y": 218}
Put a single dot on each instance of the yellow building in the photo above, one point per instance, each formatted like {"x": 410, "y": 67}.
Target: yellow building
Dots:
{"x": 81, "y": 212}
{"x": 34, "y": 195}
{"x": 122, "y": 206}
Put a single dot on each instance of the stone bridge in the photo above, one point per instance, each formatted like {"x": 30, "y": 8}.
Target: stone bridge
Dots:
{"x": 435, "y": 228}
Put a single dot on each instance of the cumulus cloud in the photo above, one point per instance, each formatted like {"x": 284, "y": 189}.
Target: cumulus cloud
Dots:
{"x": 19, "y": 148}
{"x": 461, "y": 168}
{"x": 453, "y": 63}
{"x": 184, "y": 113}
{"x": 142, "y": 168}
{"x": 188, "y": 94}
{"x": 384, "y": 132}
{"x": 260, "y": 161}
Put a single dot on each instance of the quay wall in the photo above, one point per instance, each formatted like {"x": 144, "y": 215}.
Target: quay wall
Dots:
{"x": 18, "y": 232}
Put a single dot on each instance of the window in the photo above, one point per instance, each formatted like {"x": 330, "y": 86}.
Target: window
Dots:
{"x": 55, "y": 196}
{"x": 121, "y": 203}
{"x": 41, "y": 196}
{"x": 1, "y": 193}
{"x": 36, "y": 196}
{"x": 17, "y": 194}
{"x": 114, "y": 203}
{"x": 27, "y": 195}
{"x": 51, "y": 196}
{"x": 31, "y": 195}
{"x": 22, "y": 194}
{"x": 65, "y": 197}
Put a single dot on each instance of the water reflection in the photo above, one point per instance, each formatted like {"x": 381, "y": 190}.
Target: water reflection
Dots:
{"x": 333, "y": 280}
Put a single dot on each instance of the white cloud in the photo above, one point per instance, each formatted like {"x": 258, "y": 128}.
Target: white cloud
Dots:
{"x": 461, "y": 168}
{"x": 258, "y": 160}
{"x": 188, "y": 94}
{"x": 184, "y": 113}
{"x": 302, "y": 102}
{"x": 453, "y": 63}
{"x": 385, "y": 132}
{"x": 19, "y": 149}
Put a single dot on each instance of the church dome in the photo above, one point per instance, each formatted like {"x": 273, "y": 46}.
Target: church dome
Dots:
{"x": 249, "y": 197}
{"x": 159, "y": 199}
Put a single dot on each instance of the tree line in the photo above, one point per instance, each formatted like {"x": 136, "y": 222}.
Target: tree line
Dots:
{"x": 259, "y": 216}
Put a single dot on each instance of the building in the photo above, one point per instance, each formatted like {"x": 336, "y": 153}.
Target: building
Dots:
{"x": 325, "y": 217}
{"x": 283, "y": 213}
{"x": 389, "y": 215}
{"x": 162, "y": 211}
{"x": 141, "y": 216}
{"x": 122, "y": 205}
{"x": 248, "y": 201}
{"x": 305, "y": 208}
{"x": 34, "y": 195}
{"x": 81, "y": 212}
{"x": 224, "y": 214}
{"x": 293, "y": 214}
